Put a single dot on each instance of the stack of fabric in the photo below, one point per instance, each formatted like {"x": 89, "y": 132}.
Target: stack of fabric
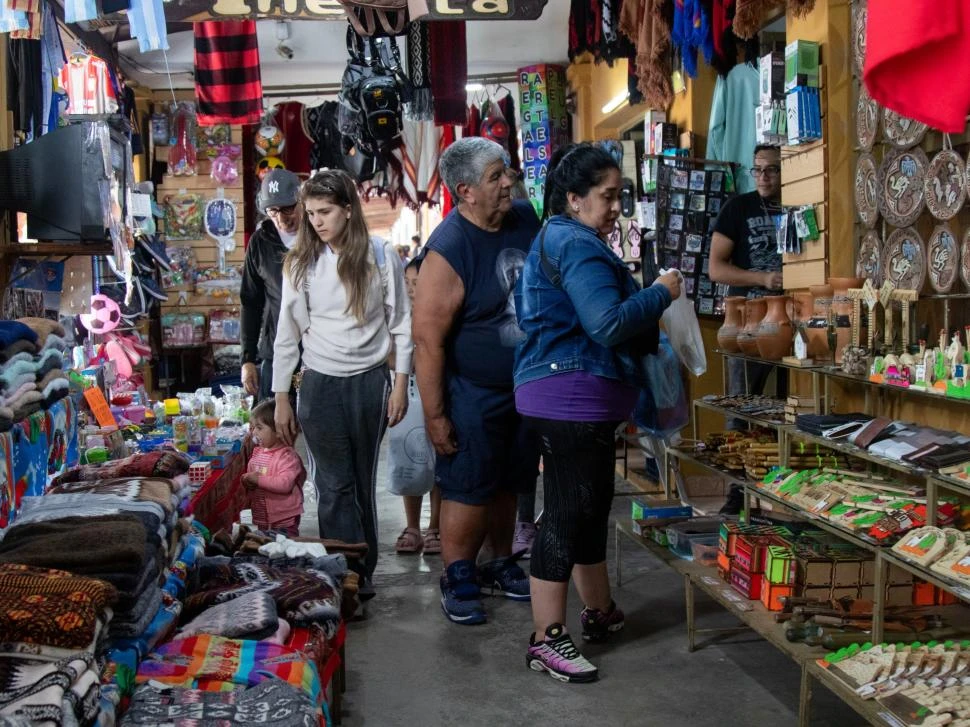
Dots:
{"x": 53, "y": 624}
{"x": 31, "y": 368}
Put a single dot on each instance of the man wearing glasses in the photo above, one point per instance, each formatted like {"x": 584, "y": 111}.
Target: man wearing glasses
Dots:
{"x": 744, "y": 255}
{"x": 262, "y": 278}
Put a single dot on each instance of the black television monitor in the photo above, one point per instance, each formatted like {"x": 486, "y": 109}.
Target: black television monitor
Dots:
{"x": 72, "y": 182}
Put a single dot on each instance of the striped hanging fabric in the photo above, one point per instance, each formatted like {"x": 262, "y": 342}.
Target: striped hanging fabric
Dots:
{"x": 147, "y": 20}
{"x": 227, "y": 79}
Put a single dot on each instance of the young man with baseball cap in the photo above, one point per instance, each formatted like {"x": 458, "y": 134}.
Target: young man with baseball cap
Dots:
{"x": 262, "y": 278}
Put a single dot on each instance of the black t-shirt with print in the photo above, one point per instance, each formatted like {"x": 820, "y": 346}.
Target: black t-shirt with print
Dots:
{"x": 750, "y": 223}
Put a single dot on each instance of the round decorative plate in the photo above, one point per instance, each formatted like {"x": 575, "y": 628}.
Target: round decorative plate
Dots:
{"x": 904, "y": 260}
{"x": 900, "y": 131}
{"x": 900, "y": 191}
{"x": 943, "y": 258}
{"x": 866, "y": 179}
{"x": 944, "y": 185}
{"x": 866, "y": 119}
{"x": 965, "y": 260}
{"x": 859, "y": 15}
{"x": 869, "y": 259}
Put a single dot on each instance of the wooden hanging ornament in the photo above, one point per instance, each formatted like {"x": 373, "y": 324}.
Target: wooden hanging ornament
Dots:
{"x": 866, "y": 119}
{"x": 869, "y": 257}
{"x": 965, "y": 260}
{"x": 900, "y": 192}
{"x": 860, "y": 13}
{"x": 866, "y": 178}
{"x": 942, "y": 258}
{"x": 944, "y": 185}
{"x": 900, "y": 131}
{"x": 904, "y": 259}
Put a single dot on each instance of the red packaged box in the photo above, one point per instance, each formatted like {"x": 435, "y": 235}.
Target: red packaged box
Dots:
{"x": 749, "y": 552}
{"x": 747, "y": 584}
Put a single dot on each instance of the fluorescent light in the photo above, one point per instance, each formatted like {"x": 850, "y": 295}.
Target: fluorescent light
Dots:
{"x": 474, "y": 87}
{"x": 614, "y": 103}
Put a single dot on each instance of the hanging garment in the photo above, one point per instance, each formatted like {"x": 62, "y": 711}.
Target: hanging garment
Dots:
{"x": 691, "y": 32}
{"x": 27, "y": 6}
{"x": 419, "y": 72}
{"x": 52, "y": 60}
{"x": 750, "y": 16}
{"x": 507, "y": 105}
{"x": 90, "y": 87}
{"x": 419, "y": 156}
{"x": 299, "y": 145}
{"x": 731, "y": 132}
{"x": 35, "y": 25}
{"x": 11, "y": 20}
{"x": 447, "y": 139}
{"x": 227, "y": 78}
{"x": 925, "y": 74}
{"x": 585, "y": 28}
{"x": 449, "y": 71}
{"x": 25, "y": 98}
{"x": 473, "y": 122}
{"x": 78, "y": 10}
{"x": 147, "y": 20}
{"x": 647, "y": 24}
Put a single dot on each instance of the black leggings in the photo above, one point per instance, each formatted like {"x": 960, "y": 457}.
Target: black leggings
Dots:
{"x": 578, "y": 472}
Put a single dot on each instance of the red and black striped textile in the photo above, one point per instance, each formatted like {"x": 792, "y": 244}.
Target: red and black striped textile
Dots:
{"x": 227, "y": 81}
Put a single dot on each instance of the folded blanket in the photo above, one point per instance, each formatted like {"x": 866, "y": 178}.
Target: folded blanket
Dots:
{"x": 135, "y": 622}
{"x": 57, "y": 342}
{"x": 42, "y": 327}
{"x": 11, "y": 331}
{"x": 82, "y": 504}
{"x": 212, "y": 663}
{"x": 51, "y": 607}
{"x": 145, "y": 489}
{"x": 39, "y": 691}
{"x": 251, "y": 616}
{"x": 271, "y": 703}
{"x": 18, "y": 347}
{"x": 161, "y": 463}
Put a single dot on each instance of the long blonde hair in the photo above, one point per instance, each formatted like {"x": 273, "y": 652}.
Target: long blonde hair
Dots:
{"x": 354, "y": 267}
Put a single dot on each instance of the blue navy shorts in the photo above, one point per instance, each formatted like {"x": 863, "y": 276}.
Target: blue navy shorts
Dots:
{"x": 497, "y": 449}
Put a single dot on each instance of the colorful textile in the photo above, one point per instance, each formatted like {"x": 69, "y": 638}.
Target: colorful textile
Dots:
{"x": 160, "y": 463}
{"x": 271, "y": 703}
{"x": 78, "y": 10}
{"x": 252, "y": 616}
{"x": 144, "y": 489}
{"x": 40, "y": 691}
{"x": 227, "y": 78}
{"x": 449, "y": 71}
{"x": 646, "y": 24}
{"x": 51, "y": 607}
{"x": 43, "y": 327}
{"x": 89, "y": 87}
{"x": 216, "y": 664}
{"x": 418, "y": 47}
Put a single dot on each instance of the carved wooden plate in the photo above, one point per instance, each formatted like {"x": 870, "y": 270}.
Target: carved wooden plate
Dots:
{"x": 942, "y": 258}
{"x": 859, "y": 15}
{"x": 904, "y": 259}
{"x": 900, "y": 191}
{"x": 866, "y": 119}
{"x": 900, "y": 131}
{"x": 869, "y": 259}
{"x": 866, "y": 184}
{"x": 965, "y": 260}
{"x": 944, "y": 185}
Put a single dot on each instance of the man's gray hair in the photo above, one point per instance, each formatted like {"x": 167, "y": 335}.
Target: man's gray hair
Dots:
{"x": 464, "y": 162}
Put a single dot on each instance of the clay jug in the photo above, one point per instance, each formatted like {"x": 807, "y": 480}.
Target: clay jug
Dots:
{"x": 842, "y": 311}
{"x": 754, "y": 311}
{"x": 775, "y": 334}
{"x": 818, "y": 323}
{"x": 727, "y": 334}
{"x": 804, "y": 304}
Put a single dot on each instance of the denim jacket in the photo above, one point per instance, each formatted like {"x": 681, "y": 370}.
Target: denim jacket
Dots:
{"x": 599, "y": 305}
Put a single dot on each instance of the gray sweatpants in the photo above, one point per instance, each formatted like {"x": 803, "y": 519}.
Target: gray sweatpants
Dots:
{"x": 344, "y": 419}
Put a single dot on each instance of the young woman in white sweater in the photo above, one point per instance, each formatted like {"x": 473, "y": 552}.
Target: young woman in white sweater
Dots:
{"x": 345, "y": 302}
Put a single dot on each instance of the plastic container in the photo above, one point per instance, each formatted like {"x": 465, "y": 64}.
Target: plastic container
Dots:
{"x": 680, "y": 536}
{"x": 704, "y": 553}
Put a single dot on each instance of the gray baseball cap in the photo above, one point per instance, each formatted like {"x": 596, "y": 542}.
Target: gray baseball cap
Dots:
{"x": 279, "y": 189}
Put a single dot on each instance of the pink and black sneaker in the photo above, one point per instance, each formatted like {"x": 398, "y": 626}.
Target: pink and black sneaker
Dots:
{"x": 598, "y": 625}
{"x": 558, "y": 655}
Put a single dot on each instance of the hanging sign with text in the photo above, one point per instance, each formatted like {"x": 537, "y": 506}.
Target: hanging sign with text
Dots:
{"x": 332, "y": 10}
{"x": 544, "y": 124}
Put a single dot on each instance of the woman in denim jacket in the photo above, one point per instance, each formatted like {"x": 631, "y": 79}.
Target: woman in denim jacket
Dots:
{"x": 577, "y": 302}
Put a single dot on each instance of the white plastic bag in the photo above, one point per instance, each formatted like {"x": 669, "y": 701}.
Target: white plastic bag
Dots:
{"x": 410, "y": 454}
{"x": 684, "y": 332}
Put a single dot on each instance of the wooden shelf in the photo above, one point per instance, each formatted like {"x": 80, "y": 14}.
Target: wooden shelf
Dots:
{"x": 733, "y": 413}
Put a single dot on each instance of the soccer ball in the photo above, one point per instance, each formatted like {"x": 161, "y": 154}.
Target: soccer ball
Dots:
{"x": 105, "y": 315}
{"x": 269, "y": 141}
{"x": 265, "y": 164}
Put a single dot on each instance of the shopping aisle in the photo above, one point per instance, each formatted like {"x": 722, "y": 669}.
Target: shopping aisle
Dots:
{"x": 410, "y": 667}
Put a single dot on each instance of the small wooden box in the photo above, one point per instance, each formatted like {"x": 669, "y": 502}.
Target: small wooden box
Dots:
{"x": 780, "y": 567}
{"x": 813, "y": 570}
{"x": 771, "y": 594}
{"x": 906, "y": 595}
{"x": 846, "y": 572}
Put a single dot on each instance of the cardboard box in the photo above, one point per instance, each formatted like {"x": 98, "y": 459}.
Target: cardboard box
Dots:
{"x": 750, "y": 552}
{"x": 771, "y": 77}
{"x": 747, "y": 584}
{"x": 772, "y": 593}
{"x": 650, "y": 120}
{"x": 801, "y": 64}
{"x": 820, "y": 593}
{"x": 664, "y": 137}
{"x": 654, "y": 508}
{"x": 780, "y": 567}
{"x": 846, "y": 573}
{"x": 813, "y": 570}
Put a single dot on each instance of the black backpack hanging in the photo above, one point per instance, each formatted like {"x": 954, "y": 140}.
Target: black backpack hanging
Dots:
{"x": 377, "y": 17}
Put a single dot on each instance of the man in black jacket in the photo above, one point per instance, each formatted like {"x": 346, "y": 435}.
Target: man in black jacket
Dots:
{"x": 262, "y": 278}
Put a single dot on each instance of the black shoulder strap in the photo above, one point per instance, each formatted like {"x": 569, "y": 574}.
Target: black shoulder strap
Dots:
{"x": 550, "y": 272}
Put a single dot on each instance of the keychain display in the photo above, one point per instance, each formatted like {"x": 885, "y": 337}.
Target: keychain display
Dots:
{"x": 944, "y": 185}
{"x": 220, "y": 225}
{"x": 943, "y": 259}
{"x": 182, "y": 264}
{"x": 183, "y": 216}
{"x": 182, "y": 154}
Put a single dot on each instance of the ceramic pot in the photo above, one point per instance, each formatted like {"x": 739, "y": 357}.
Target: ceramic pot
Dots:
{"x": 727, "y": 334}
{"x": 775, "y": 334}
{"x": 754, "y": 311}
{"x": 816, "y": 328}
{"x": 803, "y": 306}
{"x": 842, "y": 312}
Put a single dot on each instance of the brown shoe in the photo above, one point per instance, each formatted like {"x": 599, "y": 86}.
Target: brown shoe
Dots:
{"x": 432, "y": 542}
{"x": 409, "y": 541}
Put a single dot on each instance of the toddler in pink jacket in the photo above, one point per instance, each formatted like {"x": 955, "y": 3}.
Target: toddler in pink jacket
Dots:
{"x": 274, "y": 476}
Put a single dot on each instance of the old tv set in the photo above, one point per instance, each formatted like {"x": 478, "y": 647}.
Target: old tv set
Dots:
{"x": 72, "y": 183}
